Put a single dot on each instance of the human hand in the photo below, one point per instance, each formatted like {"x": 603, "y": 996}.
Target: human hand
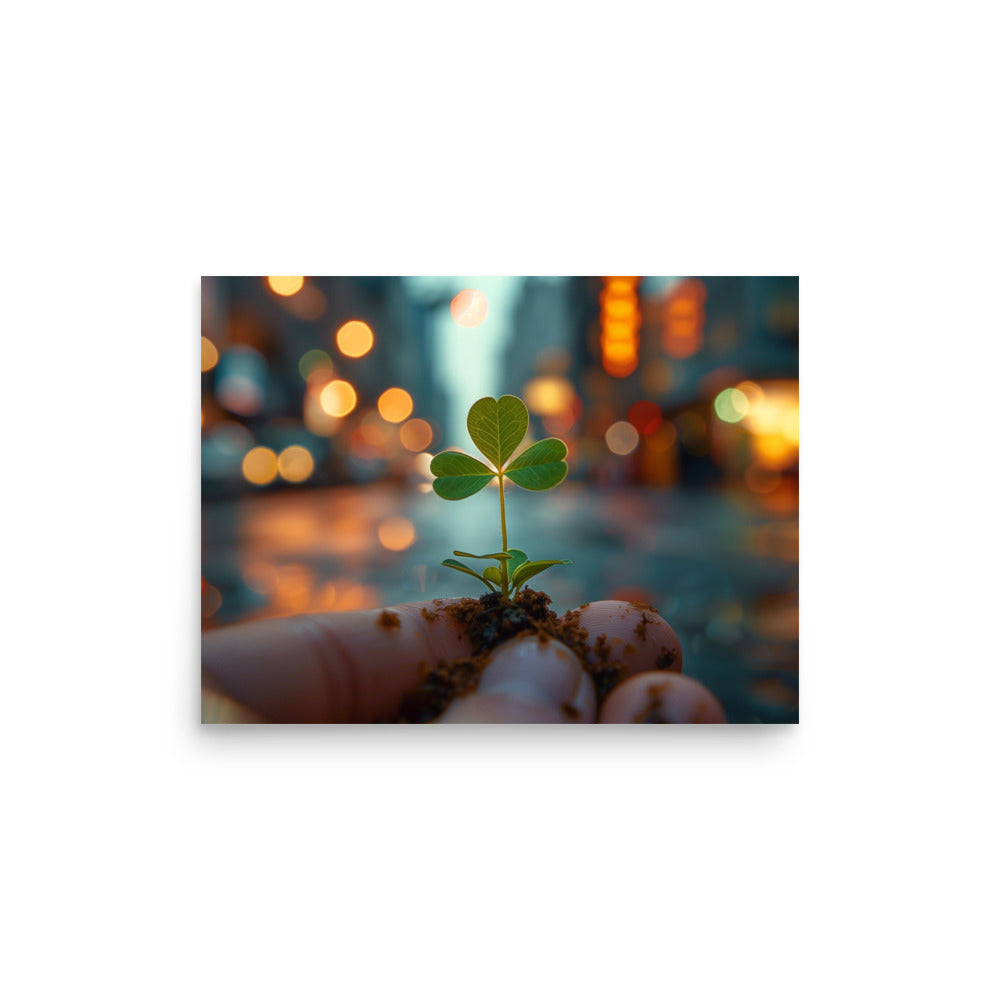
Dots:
{"x": 345, "y": 667}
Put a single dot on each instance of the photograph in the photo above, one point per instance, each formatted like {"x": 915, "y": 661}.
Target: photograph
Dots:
{"x": 481, "y": 499}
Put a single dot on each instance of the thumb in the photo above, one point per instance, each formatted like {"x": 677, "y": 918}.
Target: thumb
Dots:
{"x": 529, "y": 679}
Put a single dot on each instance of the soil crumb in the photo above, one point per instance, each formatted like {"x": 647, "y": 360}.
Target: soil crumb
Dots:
{"x": 489, "y": 621}
{"x": 431, "y": 616}
{"x": 641, "y": 625}
{"x": 643, "y": 606}
{"x": 666, "y": 659}
{"x": 388, "y": 620}
{"x": 652, "y": 712}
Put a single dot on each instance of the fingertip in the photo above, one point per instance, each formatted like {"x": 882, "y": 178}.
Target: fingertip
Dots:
{"x": 529, "y": 679}
{"x": 636, "y": 635}
{"x": 657, "y": 697}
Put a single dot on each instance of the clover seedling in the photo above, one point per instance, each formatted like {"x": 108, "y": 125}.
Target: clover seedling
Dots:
{"x": 497, "y": 427}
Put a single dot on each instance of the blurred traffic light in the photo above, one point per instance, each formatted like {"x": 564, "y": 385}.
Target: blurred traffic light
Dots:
{"x": 684, "y": 319}
{"x": 620, "y": 322}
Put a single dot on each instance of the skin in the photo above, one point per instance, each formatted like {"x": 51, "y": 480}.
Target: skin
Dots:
{"x": 347, "y": 668}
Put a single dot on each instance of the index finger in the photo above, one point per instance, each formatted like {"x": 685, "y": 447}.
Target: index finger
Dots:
{"x": 350, "y": 666}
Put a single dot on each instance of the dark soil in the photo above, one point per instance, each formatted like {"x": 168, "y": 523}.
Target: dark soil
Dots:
{"x": 488, "y": 621}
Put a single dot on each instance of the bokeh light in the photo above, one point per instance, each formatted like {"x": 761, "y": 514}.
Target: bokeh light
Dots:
{"x": 731, "y": 405}
{"x": 620, "y": 323}
{"x": 645, "y": 416}
{"x": 753, "y": 392}
{"x": 309, "y": 304}
{"x": 315, "y": 360}
{"x": 422, "y": 464}
{"x": 621, "y": 438}
{"x": 338, "y": 398}
{"x": 211, "y": 600}
{"x": 241, "y": 380}
{"x": 548, "y": 395}
{"x": 260, "y": 466}
{"x": 209, "y": 355}
{"x": 416, "y": 435}
{"x": 397, "y": 533}
{"x": 286, "y": 285}
{"x": 684, "y": 319}
{"x": 355, "y": 339}
{"x": 468, "y": 308}
{"x": 663, "y": 438}
{"x": 295, "y": 464}
{"x": 395, "y": 405}
{"x": 762, "y": 480}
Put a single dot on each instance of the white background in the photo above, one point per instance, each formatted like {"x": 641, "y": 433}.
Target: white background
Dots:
{"x": 853, "y": 855}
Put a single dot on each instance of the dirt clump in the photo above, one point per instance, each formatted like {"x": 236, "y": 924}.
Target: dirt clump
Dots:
{"x": 489, "y": 621}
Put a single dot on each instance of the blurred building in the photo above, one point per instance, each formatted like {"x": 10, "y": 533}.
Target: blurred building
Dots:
{"x": 300, "y": 370}
{"x": 690, "y": 380}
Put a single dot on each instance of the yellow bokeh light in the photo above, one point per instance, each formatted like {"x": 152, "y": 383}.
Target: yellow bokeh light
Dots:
{"x": 753, "y": 392}
{"x": 355, "y": 339}
{"x": 286, "y": 285}
{"x": 621, "y": 438}
{"x": 209, "y": 355}
{"x": 395, "y": 405}
{"x": 397, "y": 533}
{"x": 548, "y": 395}
{"x": 295, "y": 464}
{"x": 416, "y": 435}
{"x": 338, "y": 398}
{"x": 773, "y": 451}
{"x": 260, "y": 466}
{"x": 422, "y": 463}
{"x": 468, "y": 308}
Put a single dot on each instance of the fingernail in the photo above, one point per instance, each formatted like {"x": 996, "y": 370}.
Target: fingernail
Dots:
{"x": 544, "y": 672}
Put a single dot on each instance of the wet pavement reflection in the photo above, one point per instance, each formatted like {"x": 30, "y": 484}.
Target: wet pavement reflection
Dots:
{"x": 721, "y": 567}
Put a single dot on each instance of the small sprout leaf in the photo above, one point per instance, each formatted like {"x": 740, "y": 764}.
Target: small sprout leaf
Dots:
{"x": 497, "y": 427}
{"x": 517, "y": 557}
{"x": 540, "y": 467}
{"x": 529, "y": 569}
{"x": 458, "y": 475}
{"x": 462, "y": 568}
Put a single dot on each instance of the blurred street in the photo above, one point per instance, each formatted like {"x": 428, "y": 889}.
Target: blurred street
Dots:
{"x": 721, "y": 566}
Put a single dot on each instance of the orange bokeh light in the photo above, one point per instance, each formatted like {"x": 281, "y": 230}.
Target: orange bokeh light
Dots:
{"x": 338, "y": 398}
{"x": 416, "y": 435}
{"x": 395, "y": 405}
{"x": 468, "y": 308}
{"x": 295, "y": 464}
{"x": 209, "y": 355}
{"x": 286, "y": 285}
{"x": 260, "y": 466}
{"x": 620, "y": 322}
{"x": 397, "y": 533}
{"x": 355, "y": 338}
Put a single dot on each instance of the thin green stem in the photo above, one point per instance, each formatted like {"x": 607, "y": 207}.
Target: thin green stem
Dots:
{"x": 503, "y": 533}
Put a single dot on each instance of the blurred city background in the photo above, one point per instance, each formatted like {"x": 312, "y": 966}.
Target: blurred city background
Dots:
{"x": 323, "y": 400}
